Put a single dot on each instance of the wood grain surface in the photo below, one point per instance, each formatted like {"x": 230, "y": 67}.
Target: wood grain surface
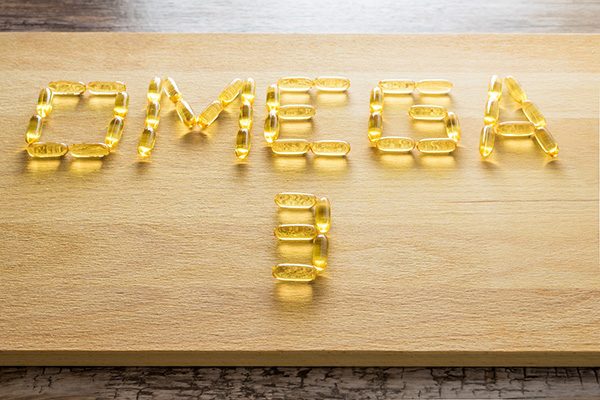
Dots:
{"x": 450, "y": 260}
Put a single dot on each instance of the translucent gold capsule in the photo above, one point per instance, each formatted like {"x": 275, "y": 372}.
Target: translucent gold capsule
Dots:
{"x": 452, "y": 126}
{"x": 492, "y": 111}
{"x": 89, "y": 150}
{"x": 376, "y": 100}
{"x": 515, "y": 89}
{"x": 242, "y": 144}
{"x": 296, "y": 111}
{"x": 495, "y": 87}
{"x": 249, "y": 90}
{"x": 47, "y": 149}
{"x": 546, "y": 141}
{"x": 375, "y": 126}
{"x": 486, "y": 140}
{"x": 210, "y": 113}
{"x": 121, "y": 104}
{"x": 231, "y": 91}
{"x": 533, "y": 113}
{"x": 320, "y": 252}
{"x": 292, "y": 147}
{"x": 428, "y": 113}
{"x": 271, "y": 127}
{"x": 295, "y": 84}
{"x": 34, "y": 129}
{"x": 296, "y": 232}
{"x": 153, "y": 114}
{"x": 397, "y": 86}
{"x": 273, "y": 98}
{"x": 332, "y": 83}
{"x": 436, "y": 146}
{"x": 396, "y": 144}
{"x": 323, "y": 215}
{"x": 330, "y": 148}
{"x": 114, "y": 132}
{"x": 147, "y": 140}
{"x": 295, "y": 272}
{"x": 155, "y": 89}
{"x": 245, "y": 119}
{"x": 295, "y": 200}
{"x": 434, "y": 86}
{"x": 172, "y": 90}
{"x": 44, "y": 105}
{"x": 185, "y": 112}
{"x": 67, "y": 88}
{"x": 106, "y": 88}
{"x": 515, "y": 128}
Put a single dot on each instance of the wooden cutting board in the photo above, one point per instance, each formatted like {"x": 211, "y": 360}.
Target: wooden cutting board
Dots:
{"x": 434, "y": 260}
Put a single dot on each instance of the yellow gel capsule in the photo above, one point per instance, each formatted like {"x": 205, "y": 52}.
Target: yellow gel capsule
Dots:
{"x": 295, "y": 232}
{"x": 514, "y": 88}
{"x": 375, "y": 126}
{"x": 271, "y": 127}
{"x": 114, "y": 132}
{"x": 495, "y": 87}
{"x": 34, "y": 129}
{"x": 546, "y": 141}
{"x": 397, "y": 86}
{"x": 106, "y": 88}
{"x": 330, "y": 148}
{"x": 296, "y": 111}
{"x": 152, "y": 114}
{"x": 434, "y": 86}
{"x": 172, "y": 90}
{"x": 210, "y": 113}
{"x": 295, "y": 200}
{"x": 242, "y": 144}
{"x": 245, "y": 118}
{"x": 376, "y": 100}
{"x": 155, "y": 89}
{"x": 452, "y": 126}
{"x": 323, "y": 214}
{"x": 44, "y": 105}
{"x": 121, "y": 104}
{"x": 492, "y": 111}
{"x": 89, "y": 150}
{"x": 147, "y": 140}
{"x": 515, "y": 128}
{"x": 486, "y": 140}
{"x": 320, "y": 252}
{"x": 533, "y": 113}
{"x": 292, "y": 147}
{"x": 185, "y": 112}
{"x": 428, "y": 113}
{"x": 273, "y": 98}
{"x": 249, "y": 90}
{"x": 47, "y": 149}
{"x": 332, "y": 83}
{"x": 295, "y": 84}
{"x": 295, "y": 272}
{"x": 67, "y": 88}
{"x": 231, "y": 91}
{"x": 396, "y": 144}
{"x": 436, "y": 146}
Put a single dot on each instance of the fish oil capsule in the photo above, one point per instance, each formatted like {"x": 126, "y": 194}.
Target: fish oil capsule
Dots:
{"x": 210, "y": 113}
{"x": 172, "y": 90}
{"x": 546, "y": 141}
{"x": 34, "y": 129}
{"x": 44, "y": 105}
{"x": 436, "y": 146}
{"x": 486, "y": 140}
{"x": 332, "y": 83}
{"x": 452, "y": 126}
{"x": 320, "y": 252}
{"x": 291, "y": 147}
{"x": 515, "y": 89}
{"x": 397, "y": 86}
{"x": 492, "y": 111}
{"x": 396, "y": 144}
{"x": 295, "y": 232}
{"x": 495, "y": 87}
{"x": 428, "y": 113}
{"x": 295, "y": 272}
{"x": 271, "y": 127}
{"x": 434, "y": 86}
{"x": 47, "y": 149}
{"x": 375, "y": 126}
{"x": 296, "y": 111}
{"x": 245, "y": 119}
{"x": 106, "y": 88}
{"x": 515, "y": 128}
{"x": 295, "y": 84}
{"x": 185, "y": 112}
{"x": 323, "y": 214}
{"x": 121, "y": 104}
{"x": 376, "y": 101}
{"x": 67, "y": 88}
{"x": 152, "y": 114}
{"x": 533, "y": 113}
{"x": 89, "y": 150}
{"x": 114, "y": 132}
{"x": 231, "y": 91}
{"x": 295, "y": 200}
{"x": 147, "y": 140}
{"x": 273, "y": 98}
{"x": 155, "y": 89}
{"x": 242, "y": 144}
{"x": 330, "y": 148}
{"x": 249, "y": 90}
